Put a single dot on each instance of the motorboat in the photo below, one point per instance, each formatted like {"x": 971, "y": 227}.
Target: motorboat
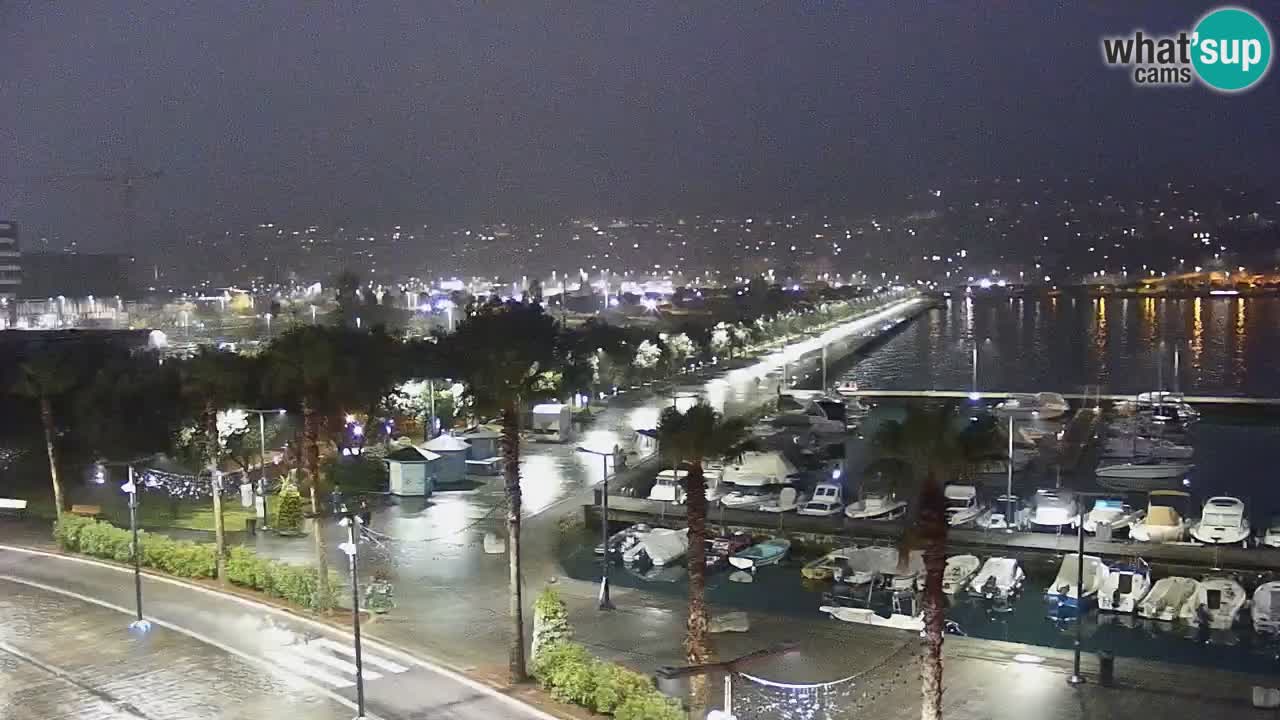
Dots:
{"x": 755, "y": 469}
{"x": 668, "y": 486}
{"x": 660, "y": 547}
{"x": 827, "y": 500}
{"x": 1167, "y": 597}
{"x": 1066, "y": 592}
{"x": 1021, "y": 459}
{"x": 1137, "y": 446}
{"x": 804, "y": 413}
{"x": 1271, "y": 538}
{"x": 786, "y": 501}
{"x": 719, "y": 549}
{"x": 1222, "y": 522}
{"x": 847, "y": 389}
{"x": 866, "y": 564}
{"x": 963, "y": 506}
{"x": 1007, "y": 512}
{"x": 761, "y": 554}
{"x": 866, "y": 616}
{"x": 1039, "y": 406}
{"x": 1054, "y": 509}
{"x": 624, "y": 539}
{"x": 824, "y": 568}
{"x": 959, "y": 571}
{"x": 876, "y": 506}
{"x": 1266, "y": 608}
{"x": 1113, "y": 513}
{"x": 749, "y": 497}
{"x": 1163, "y": 523}
{"x": 1216, "y": 603}
{"x": 999, "y": 578}
{"x": 1125, "y": 586}
{"x": 1144, "y": 469}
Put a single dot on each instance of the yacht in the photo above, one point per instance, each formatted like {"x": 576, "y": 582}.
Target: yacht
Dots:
{"x": 669, "y": 486}
{"x": 1222, "y": 522}
{"x": 959, "y": 571}
{"x": 1144, "y": 469}
{"x": 749, "y": 497}
{"x": 963, "y": 506}
{"x": 1271, "y": 538}
{"x": 759, "y": 469}
{"x": 1064, "y": 592}
{"x": 876, "y": 506}
{"x": 805, "y": 413}
{"x": 999, "y": 579}
{"x": 1126, "y": 585}
{"x": 1163, "y": 523}
{"x": 1137, "y": 446}
{"x": 827, "y": 500}
{"x": 1053, "y": 509}
{"x": 1007, "y": 512}
{"x": 1114, "y": 513}
{"x": 1039, "y": 406}
{"x": 1266, "y": 608}
{"x": 1217, "y": 603}
{"x": 1167, "y": 597}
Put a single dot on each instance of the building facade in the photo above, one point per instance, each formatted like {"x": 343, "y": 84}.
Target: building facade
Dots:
{"x": 10, "y": 272}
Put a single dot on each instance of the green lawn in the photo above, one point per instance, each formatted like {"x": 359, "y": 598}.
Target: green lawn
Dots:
{"x": 153, "y": 511}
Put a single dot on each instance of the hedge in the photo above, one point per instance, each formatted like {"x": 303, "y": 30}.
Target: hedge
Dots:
{"x": 569, "y": 672}
{"x": 184, "y": 558}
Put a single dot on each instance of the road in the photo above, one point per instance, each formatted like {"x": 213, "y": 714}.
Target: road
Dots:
{"x": 221, "y": 655}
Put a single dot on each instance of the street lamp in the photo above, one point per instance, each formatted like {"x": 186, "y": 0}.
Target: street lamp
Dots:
{"x": 350, "y": 520}
{"x": 262, "y": 445}
{"x": 605, "y": 602}
{"x": 729, "y": 667}
{"x": 140, "y": 624}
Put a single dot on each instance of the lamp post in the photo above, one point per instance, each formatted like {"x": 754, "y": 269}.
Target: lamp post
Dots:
{"x": 729, "y": 667}
{"x": 350, "y": 520}
{"x": 139, "y": 623}
{"x": 605, "y": 602}
{"x": 262, "y": 447}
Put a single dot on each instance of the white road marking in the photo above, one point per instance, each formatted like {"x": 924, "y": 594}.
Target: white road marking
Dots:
{"x": 309, "y": 651}
{"x": 366, "y": 657}
{"x": 296, "y": 664}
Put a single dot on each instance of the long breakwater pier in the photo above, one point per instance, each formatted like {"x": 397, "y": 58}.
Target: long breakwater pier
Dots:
{"x": 1083, "y": 398}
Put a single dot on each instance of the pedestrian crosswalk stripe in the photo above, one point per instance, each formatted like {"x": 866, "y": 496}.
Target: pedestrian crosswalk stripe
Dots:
{"x": 366, "y": 657}
{"x": 314, "y": 653}
{"x": 296, "y": 664}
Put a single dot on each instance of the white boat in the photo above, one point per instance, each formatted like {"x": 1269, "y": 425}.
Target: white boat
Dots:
{"x": 660, "y": 547}
{"x": 804, "y": 413}
{"x": 864, "y": 565}
{"x": 624, "y": 539}
{"x": 757, "y": 469}
{"x": 786, "y": 501}
{"x": 1266, "y": 608}
{"x": 999, "y": 578}
{"x": 1113, "y": 513}
{"x": 959, "y": 571}
{"x": 1222, "y": 522}
{"x": 866, "y": 616}
{"x": 1022, "y": 458}
{"x": 1054, "y": 508}
{"x": 668, "y": 486}
{"x": 876, "y": 506}
{"x": 1271, "y": 538}
{"x": 1216, "y": 603}
{"x": 1144, "y": 469}
{"x": 1136, "y": 446}
{"x": 749, "y": 497}
{"x": 1162, "y": 523}
{"x": 824, "y": 568}
{"x": 963, "y": 506}
{"x": 1064, "y": 592}
{"x": 827, "y": 500}
{"x": 1167, "y": 597}
{"x": 1126, "y": 585}
{"x": 1040, "y": 406}
{"x": 761, "y": 554}
{"x": 1007, "y": 512}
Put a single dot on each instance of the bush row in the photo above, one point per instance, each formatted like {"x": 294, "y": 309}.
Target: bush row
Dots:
{"x": 571, "y": 674}
{"x": 184, "y": 558}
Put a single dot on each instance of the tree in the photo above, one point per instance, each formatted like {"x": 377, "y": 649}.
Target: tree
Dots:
{"x": 921, "y": 453}
{"x": 43, "y": 378}
{"x": 648, "y": 354}
{"x": 288, "y": 510}
{"x": 503, "y": 351}
{"x": 689, "y": 438}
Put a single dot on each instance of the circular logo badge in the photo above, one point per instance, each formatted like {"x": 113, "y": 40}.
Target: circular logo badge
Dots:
{"x": 1231, "y": 49}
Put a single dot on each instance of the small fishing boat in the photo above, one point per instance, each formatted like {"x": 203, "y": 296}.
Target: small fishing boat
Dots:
{"x": 1167, "y": 597}
{"x": 1038, "y": 406}
{"x": 1073, "y": 589}
{"x": 959, "y": 571}
{"x": 1113, "y": 513}
{"x": 759, "y": 555}
{"x": 789, "y": 499}
{"x": 1271, "y": 538}
{"x": 1126, "y": 585}
{"x": 719, "y": 549}
{"x": 660, "y": 547}
{"x": 1144, "y": 469}
{"x": 998, "y": 579}
{"x": 1007, "y": 512}
{"x": 824, "y": 568}
{"x": 1216, "y": 603}
{"x": 1222, "y": 522}
{"x": 963, "y": 506}
{"x": 745, "y": 498}
{"x": 1163, "y": 523}
{"x": 668, "y": 486}
{"x": 866, "y": 616}
{"x": 1054, "y": 509}
{"x": 866, "y": 564}
{"x": 876, "y": 506}
{"x": 826, "y": 501}
{"x": 624, "y": 539}
{"x": 1266, "y": 608}
{"x": 1136, "y": 446}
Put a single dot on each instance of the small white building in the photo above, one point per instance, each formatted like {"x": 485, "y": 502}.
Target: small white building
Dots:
{"x": 552, "y": 422}
{"x": 412, "y": 472}
{"x": 484, "y": 442}
{"x": 453, "y": 458}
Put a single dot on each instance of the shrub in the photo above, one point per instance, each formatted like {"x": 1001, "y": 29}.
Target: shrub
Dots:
{"x": 550, "y": 621}
{"x": 247, "y": 569}
{"x": 568, "y": 671}
{"x": 289, "y": 510}
{"x": 652, "y": 705}
{"x": 66, "y": 532}
{"x": 614, "y": 684}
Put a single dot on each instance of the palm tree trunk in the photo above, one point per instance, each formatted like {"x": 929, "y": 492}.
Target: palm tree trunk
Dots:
{"x": 511, "y": 474}
{"x": 215, "y": 481}
{"x": 311, "y": 458}
{"x": 933, "y": 530}
{"x": 46, "y": 420}
{"x": 697, "y": 645}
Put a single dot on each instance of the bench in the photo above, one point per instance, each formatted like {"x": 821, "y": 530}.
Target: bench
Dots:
{"x": 13, "y": 506}
{"x": 86, "y": 510}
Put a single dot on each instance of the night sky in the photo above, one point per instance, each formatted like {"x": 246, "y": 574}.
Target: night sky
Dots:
{"x": 440, "y": 112}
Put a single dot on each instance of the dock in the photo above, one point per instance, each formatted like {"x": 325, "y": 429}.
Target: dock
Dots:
{"x": 840, "y": 529}
{"x": 1076, "y": 397}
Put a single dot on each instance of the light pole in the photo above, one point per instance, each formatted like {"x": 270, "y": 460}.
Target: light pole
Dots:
{"x": 605, "y": 602}
{"x": 350, "y": 520}
{"x": 140, "y": 624}
{"x": 262, "y": 447}
{"x": 1008, "y": 494}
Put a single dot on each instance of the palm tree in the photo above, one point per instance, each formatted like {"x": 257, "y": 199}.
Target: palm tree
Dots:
{"x": 921, "y": 453}
{"x": 689, "y": 438}
{"x": 505, "y": 352}
{"x": 43, "y": 378}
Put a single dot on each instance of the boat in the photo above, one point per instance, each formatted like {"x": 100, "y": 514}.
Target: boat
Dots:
{"x": 786, "y": 501}
{"x": 1137, "y": 446}
{"x": 1054, "y": 509}
{"x": 804, "y": 413}
{"x": 624, "y": 539}
{"x": 1163, "y": 523}
{"x": 748, "y": 497}
{"x": 1222, "y": 522}
{"x": 1113, "y": 513}
{"x": 962, "y": 505}
{"x": 719, "y": 549}
{"x": 1271, "y": 538}
{"x": 1040, "y": 406}
{"x": 1266, "y": 608}
{"x": 876, "y": 506}
{"x": 660, "y": 547}
{"x": 1007, "y": 512}
{"x": 847, "y": 389}
{"x": 1022, "y": 458}
{"x": 826, "y": 501}
{"x": 1126, "y": 585}
{"x": 1166, "y": 598}
{"x": 959, "y": 571}
{"x": 1064, "y": 592}
{"x": 768, "y": 552}
{"x": 668, "y": 486}
{"x": 999, "y": 578}
{"x": 1144, "y": 469}
{"x": 866, "y": 616}
{"x": 1216, "y": 603}
{"x": 755, "y": 469}
{"x": 866, "y": 564}
{"x": 824, "y": 568}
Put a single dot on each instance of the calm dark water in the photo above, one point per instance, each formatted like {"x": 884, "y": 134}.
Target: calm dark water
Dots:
{"x": 1226, "y": 346}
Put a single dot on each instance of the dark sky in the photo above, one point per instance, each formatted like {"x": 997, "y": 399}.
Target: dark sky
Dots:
{"x": 438, "y": 111}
